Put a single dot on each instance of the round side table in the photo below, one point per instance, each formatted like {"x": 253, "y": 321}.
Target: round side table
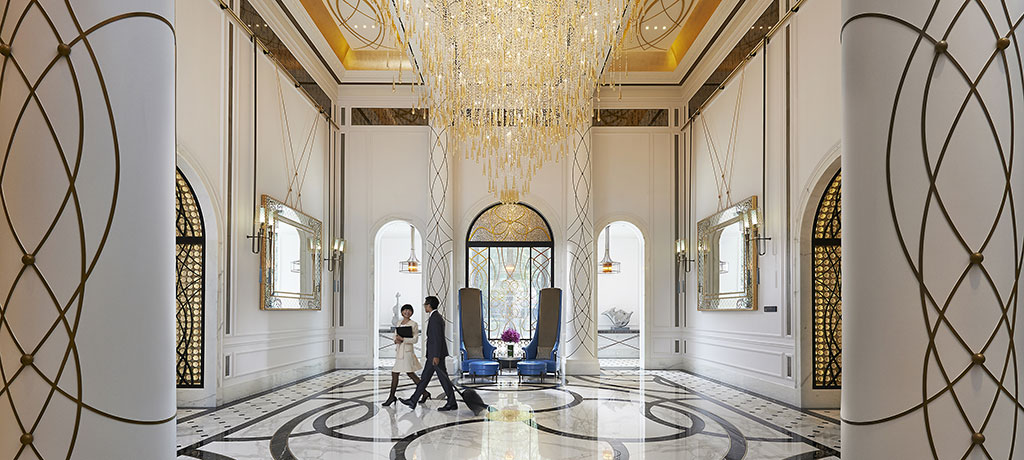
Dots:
{"x": 507, "y": 363}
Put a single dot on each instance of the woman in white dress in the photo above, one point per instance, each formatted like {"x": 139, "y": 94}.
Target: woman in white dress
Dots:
{"x": 405, "y": 355}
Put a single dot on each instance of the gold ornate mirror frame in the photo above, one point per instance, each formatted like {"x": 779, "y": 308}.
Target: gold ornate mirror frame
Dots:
{"x": 709, "y": 232}
{"x": 279, "y": 216}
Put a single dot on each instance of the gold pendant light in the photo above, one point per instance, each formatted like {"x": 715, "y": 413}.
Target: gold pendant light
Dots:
{"x": 412, "y": 264}
{"x": 607, "y": 266}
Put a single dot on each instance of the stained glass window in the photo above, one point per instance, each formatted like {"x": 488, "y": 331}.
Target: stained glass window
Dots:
{"x": 826, "y": 279}
{"x": 510, "y": 258}
{"x": 191, "y": 275}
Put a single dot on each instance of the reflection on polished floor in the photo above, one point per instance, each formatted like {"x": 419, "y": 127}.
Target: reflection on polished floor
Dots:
{"x": 618, "y": 415}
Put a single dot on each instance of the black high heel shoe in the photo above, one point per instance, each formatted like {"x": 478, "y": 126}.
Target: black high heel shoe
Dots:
{"x": 390, "y": 401}
{"x": 426, "y": 396}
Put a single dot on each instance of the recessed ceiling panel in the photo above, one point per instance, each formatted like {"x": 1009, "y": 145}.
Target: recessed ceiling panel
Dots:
{"x": 357, "y": 33}
{"x": 361, "y": 23}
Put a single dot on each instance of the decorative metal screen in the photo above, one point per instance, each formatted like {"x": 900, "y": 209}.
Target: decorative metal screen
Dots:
{"x": 510, "y": 258}
{"x": 827, "y": 281}
{"x": 191, "y": 275}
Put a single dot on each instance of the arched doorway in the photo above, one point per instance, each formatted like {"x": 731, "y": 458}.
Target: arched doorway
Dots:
{"x": 620, "y": 297}
{"x": 510, "y": 258}
{"x": 821, "y": 331}
{"x": 190, "y": 311}
{"x": 396, "y": 242}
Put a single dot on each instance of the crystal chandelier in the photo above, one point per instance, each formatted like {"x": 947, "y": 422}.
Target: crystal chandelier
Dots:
{"x": 512, "y": 80}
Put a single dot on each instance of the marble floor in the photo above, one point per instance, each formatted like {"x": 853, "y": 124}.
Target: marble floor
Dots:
{"x": 616, "y": 416}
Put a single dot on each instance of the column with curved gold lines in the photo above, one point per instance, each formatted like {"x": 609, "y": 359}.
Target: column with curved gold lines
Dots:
{"x": 581, "y": 322}
{"x": 932, "y": 232}
{"x": 87, "y": 230}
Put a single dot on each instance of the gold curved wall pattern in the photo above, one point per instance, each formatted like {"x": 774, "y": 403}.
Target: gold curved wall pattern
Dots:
{"x": 581, "y": 337}
{"x": 932, "y": 95}
{"x": 69, "y": 191}
{"x": 438, "y": 246}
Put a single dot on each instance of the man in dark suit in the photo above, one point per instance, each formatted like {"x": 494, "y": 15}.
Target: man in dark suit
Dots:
{"x": 437, "y": 351}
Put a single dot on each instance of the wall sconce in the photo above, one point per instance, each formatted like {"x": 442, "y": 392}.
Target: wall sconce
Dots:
{"x": 753, "y": 223}
{"x": 681, "y": 256}
{"x": 335, "y": 255}
{"x": 259, "y": 230}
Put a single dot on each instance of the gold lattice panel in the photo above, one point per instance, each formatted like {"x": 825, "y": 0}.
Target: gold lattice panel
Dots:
{"x": 826, "y": 221}
{"x": 827, "y": 302}
{"x": 190, "y": 286}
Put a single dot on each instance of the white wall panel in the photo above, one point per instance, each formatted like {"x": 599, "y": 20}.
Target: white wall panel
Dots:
{"x": 799, "y": 150}
{"x": 288, "y": 126}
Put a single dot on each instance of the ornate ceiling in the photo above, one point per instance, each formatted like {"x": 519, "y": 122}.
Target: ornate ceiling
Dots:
{"x": 356, "y": 34}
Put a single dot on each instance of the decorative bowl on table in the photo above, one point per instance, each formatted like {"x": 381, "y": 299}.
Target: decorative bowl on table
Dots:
{"x": 619, "y": 318}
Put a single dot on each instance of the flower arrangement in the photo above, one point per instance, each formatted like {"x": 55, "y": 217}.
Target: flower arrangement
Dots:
{"x": 510, "y": 336}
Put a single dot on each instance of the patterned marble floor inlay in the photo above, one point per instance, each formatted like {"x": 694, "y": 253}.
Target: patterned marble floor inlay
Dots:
{"x": 619, "y": 415}
{"x": 619, "y": 363}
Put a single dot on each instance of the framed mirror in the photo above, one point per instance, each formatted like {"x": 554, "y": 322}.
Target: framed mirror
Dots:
{"x": 727, "y": 259}
{"x": 291, "y": 258}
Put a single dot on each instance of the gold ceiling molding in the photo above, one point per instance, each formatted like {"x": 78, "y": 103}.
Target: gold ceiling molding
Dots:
{"x": 322, "y": 18}
{"x": 659, "y": 60}
{"x": 351, "y": 59}
{"x": 698, "y": 19}
{"x": 687, "y": 24}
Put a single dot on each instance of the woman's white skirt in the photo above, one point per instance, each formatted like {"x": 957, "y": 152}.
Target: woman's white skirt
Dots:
{"x": 405, "y": 359}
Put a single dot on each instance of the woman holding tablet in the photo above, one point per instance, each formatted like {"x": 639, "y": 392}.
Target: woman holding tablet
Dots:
{"x": 407, "y": 333}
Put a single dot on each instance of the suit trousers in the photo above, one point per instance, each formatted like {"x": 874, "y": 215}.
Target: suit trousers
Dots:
{"x": 442, "y": 378}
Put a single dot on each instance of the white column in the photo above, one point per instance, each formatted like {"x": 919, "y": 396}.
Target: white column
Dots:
{"x": 87, "y": 231}
{"x": 932, "y": 240}
{"x": 581, "y": 320}
{"x": 437, "y": 246}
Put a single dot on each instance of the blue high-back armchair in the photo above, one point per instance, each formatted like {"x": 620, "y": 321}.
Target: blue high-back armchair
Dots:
{"x": 544, "y": 346}
{"x": 473, "y": 345}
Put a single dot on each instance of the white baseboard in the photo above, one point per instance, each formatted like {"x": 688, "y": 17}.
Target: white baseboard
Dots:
{"x": 353, "y": 362}
{"x": 785, "y": 393}
{"x": 582, "y": 367}
{"x": 193, "y": 399}
{"x": 233, "y": 391}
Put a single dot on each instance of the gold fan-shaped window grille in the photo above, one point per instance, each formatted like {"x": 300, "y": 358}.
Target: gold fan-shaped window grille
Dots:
{"x": 510, "y": 223}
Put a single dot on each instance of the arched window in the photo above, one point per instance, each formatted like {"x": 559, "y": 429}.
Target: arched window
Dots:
{"x": 510, "y": 258}
{"x": 826, "y": 294}
{"x": 191, "y": 279}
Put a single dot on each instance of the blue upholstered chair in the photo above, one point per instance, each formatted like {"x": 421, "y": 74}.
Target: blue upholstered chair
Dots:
{"x": 474, "y": 345}
{"x": 544, "y": 346}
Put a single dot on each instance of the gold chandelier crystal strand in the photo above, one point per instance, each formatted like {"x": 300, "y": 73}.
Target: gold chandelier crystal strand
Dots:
{"x": 512, "y": 79}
